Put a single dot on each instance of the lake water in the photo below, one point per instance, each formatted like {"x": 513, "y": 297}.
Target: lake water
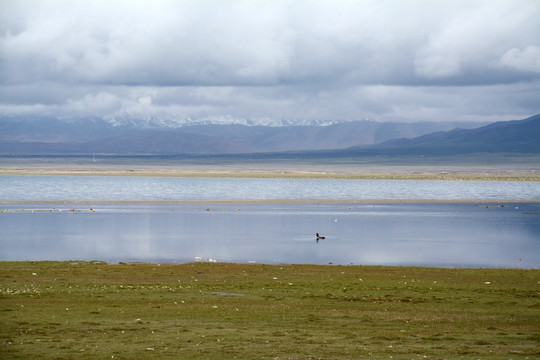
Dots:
{"x": 490, "y": 233}
{"x": 52, "y": 188}
{"x": 427, "y": 234}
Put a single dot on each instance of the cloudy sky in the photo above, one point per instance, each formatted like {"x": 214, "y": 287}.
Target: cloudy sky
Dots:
{"x": 391, "y": 60}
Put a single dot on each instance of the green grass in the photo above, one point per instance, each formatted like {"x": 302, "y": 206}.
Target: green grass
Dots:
{"x": 62, "y": 310}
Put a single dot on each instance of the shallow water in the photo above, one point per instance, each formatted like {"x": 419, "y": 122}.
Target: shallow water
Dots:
{"x": 425, "y": 234}
{"x": 54, "y": 188}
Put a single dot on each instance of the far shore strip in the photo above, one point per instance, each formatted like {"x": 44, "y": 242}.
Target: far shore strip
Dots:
{"x": 493, "y": 202}
{"x": 532, "y": 175}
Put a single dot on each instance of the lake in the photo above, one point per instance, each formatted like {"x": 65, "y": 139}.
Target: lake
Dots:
{"x": 493, "y": 232}
{"x": 125, "y": 188}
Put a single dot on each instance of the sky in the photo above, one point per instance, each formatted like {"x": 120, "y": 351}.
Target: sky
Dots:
{"x": 388, "y": 60}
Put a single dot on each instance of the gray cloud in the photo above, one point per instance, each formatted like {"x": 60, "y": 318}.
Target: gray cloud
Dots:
{"x": 391, "y": 60}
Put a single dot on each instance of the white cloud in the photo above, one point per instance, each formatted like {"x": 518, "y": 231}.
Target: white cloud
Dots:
{"x": 290, "y": 59}
{"x": 526, "y": 60}
{"x": 467, "y": 41}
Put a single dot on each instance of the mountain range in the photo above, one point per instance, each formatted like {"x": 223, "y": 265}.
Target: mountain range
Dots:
{"x": 519, "y": 136}
{"x": 52, "y": 136}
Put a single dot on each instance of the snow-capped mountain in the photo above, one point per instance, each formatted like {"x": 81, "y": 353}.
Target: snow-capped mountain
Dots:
{"x": 157, "y": 122}
{"x": 211, "y": 135}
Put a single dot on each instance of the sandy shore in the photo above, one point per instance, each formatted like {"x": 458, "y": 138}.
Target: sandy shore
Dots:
{"x": 338, "y": 169}
{"x": 380, "y": 175}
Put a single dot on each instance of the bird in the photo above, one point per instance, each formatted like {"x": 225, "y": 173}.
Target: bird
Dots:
{"x": 319, "y": 237}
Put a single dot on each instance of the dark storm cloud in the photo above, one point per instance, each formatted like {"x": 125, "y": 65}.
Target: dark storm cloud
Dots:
{"x": 390, "y": 60}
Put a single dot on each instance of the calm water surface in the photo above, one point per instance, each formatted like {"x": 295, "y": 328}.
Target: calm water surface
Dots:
{"x": 426, "y": 234}
{"x": 53, "y": 188}
{"x": 493, "y": 233}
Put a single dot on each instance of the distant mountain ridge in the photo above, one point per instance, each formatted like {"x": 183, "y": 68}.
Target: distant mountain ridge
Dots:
{"x": 51, "y": 136}
{"x": 154, "y": 122}
{"x": 95, "y": 135}
{"x": 503, "y": 136}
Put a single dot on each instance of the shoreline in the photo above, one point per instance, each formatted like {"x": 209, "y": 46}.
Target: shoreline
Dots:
{"x": 531, "y": 175}
{"x": 476, "y": 167}
{"x": 264, "y": 265}
{"x": 278, "y": 201}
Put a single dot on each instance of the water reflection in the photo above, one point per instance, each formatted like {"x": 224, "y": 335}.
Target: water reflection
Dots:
{"x": 428, "y": 234}
{"x": 118, "y": 188}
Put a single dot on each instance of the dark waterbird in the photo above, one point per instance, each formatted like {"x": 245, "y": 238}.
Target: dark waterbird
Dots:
{"x": 319, "y": 237}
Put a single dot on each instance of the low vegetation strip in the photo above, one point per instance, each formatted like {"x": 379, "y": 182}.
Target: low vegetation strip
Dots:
{"x": 93, "y": 310}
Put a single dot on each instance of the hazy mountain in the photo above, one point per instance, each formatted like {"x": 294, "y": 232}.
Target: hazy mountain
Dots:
{"x": 522, "y": 136}
{"x": 53, "y": 130}
{"x": 316, "y": 137}
{"x": 142, "y": 142}
{"x": 132, "y": 136}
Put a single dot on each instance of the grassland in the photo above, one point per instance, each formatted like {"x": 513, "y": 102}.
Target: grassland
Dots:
{"x": 68, "y": 310}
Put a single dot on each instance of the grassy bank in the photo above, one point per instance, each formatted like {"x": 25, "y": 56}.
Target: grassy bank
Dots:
{"x": 61, "y": 310}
